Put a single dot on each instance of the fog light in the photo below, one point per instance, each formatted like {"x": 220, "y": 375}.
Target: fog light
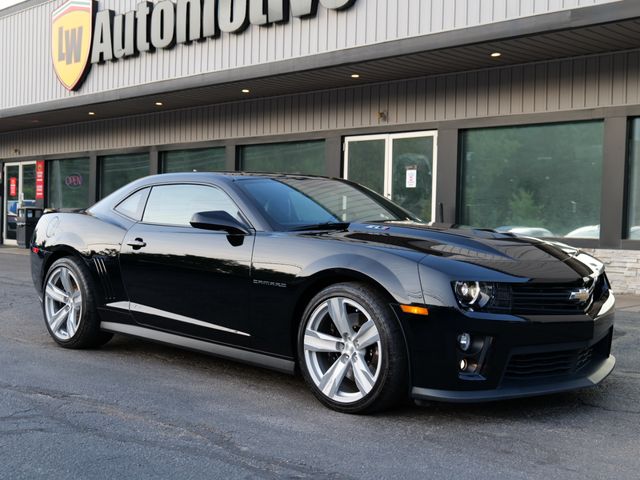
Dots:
{"x": 463, "y": 365}
{"x": 464, "y": 341}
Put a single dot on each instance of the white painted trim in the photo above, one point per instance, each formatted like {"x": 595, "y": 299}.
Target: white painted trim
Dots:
{"x": 388, "y": 167}
{"x": 136, "y": 307}
{"x": 20, "y": 166}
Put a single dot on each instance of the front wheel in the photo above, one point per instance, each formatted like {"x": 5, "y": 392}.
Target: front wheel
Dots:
{"x": 351, "y": 350}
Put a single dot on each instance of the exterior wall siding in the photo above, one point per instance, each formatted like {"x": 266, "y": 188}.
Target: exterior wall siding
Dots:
{"x": 554, "y": 86}
{"x": 27, "y": 76}
{"x": 623, "y": 269}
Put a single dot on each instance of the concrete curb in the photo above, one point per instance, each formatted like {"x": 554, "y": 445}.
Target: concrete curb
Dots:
{"x": 627, "y": 303}
{"x": 14, "y": 250}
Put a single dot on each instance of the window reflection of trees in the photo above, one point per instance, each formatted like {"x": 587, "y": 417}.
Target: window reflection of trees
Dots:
{"x": 543, "y": 176}
{"x": 633, "y": 214}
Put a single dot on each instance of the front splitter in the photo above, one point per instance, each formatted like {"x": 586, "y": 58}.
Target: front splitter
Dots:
{"x": 506, "y": 393}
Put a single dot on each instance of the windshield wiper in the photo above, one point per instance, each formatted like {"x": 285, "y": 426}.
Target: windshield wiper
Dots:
{"x": 322, "y": 226}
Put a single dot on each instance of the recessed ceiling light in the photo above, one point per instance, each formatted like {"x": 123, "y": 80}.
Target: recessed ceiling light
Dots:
{"x": 246, "y": 90}
{"x": 159, "y": 104}
{"x": 92, "y": 113}
{"x": 496, "y": 54}
{"x": 355, "y": 75}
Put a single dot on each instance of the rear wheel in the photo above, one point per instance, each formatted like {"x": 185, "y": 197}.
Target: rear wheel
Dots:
{"x": 351, "y": 350}
{"x": 69, "y": 306}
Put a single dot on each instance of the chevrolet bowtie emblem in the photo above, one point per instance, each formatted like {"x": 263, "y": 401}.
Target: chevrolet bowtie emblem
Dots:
{"x": 581, "y": 295}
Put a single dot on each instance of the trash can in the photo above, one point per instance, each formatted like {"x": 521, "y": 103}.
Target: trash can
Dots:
{"x": 26, "y": 221}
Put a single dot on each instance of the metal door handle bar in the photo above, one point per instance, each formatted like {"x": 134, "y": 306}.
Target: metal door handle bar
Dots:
{"x": 137, "y": 243}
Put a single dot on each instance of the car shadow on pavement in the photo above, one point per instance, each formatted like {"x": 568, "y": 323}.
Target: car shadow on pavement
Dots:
{"x": 613, "y": 395}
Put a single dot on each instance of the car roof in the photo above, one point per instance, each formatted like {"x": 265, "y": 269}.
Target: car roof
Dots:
{"x": 226, "y": 176}
{"x": 110, "y": 201}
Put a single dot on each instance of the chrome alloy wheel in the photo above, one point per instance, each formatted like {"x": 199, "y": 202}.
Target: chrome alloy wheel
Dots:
{"x": 63, "y": 303}
{"x": 342, "y": 350}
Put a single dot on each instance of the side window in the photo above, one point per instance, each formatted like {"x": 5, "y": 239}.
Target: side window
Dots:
{"x": 133, "y": 205}
{"x": 176, "y": 204}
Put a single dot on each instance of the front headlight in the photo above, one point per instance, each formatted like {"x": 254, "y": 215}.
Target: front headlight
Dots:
{"x": 472, "y": 294}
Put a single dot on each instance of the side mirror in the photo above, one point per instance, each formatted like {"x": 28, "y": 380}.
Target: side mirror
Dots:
{"x": 218, "y": 221}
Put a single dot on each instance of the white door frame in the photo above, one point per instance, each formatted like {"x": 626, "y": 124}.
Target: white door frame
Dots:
{"x": 388, "y": 171}
{"x": 20, "y": 166}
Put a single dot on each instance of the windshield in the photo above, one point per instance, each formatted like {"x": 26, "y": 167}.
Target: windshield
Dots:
{"x": 298, "y": 203}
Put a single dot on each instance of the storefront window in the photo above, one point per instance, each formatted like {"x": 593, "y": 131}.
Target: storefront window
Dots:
{"x": 200, "y": 160}
{"x": 540, "y": 180}
{"x": 295, "y": 157}
{"x": 399, "y": 166}
{"x": 68, "y": 183}
{"x": 12, "y": 196}
{"x": 366, "y": 163}
{"x": 633, "y": 200}
{"x": 118, "y": 170}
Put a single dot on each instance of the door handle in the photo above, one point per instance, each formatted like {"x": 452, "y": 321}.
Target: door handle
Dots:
{"x": 137, "y": 244}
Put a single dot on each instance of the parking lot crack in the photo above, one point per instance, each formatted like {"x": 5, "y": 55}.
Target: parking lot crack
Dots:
{"x": 74, "y": 413}
{"x": 609, "y": 409}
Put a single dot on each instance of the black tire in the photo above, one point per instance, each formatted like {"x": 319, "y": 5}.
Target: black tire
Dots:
{"x": 88, "y": 333}
{"x": 392, "y": 383}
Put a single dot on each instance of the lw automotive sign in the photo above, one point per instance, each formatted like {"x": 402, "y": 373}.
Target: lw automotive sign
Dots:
{"x": 71, "y": 26}
{"x": 81, "y": 38}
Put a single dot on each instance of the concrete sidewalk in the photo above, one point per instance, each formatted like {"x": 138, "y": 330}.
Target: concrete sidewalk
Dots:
{"x": 628, "y": 303}
{"x": 13, "y": 250}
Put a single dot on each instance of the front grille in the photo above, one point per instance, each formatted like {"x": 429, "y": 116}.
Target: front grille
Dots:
{"x": 545, "y": 299}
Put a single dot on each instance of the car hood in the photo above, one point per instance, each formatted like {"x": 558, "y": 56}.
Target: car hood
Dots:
{"x": 523, "y": 257}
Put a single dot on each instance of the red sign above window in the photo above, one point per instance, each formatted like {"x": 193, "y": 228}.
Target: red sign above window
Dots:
{"x": 13, "y": 186}
{"x": 39, "y": 179}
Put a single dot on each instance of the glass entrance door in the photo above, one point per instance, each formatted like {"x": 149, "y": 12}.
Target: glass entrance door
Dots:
{"x": 402, "y": 167}
{"x": 19, "y": 190}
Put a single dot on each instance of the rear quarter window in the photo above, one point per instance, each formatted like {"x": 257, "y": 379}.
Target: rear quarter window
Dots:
{"x": 133, "y": 205}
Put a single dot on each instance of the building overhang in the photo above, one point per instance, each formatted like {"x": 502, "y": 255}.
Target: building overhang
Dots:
{"x": 584, "y": 31}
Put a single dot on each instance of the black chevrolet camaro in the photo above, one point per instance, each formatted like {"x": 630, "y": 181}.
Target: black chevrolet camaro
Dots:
{"x": 372, "y": 305}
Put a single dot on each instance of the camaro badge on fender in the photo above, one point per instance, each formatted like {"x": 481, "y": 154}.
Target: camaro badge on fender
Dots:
{"x": 71, "y": 32}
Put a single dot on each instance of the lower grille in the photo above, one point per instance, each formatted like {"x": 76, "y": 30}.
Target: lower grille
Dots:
{"x": 534, "y": 365}
{"x": 584, "y": 357}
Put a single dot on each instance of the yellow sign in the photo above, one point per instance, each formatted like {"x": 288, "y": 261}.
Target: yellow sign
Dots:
{"x": 71, "y": 31}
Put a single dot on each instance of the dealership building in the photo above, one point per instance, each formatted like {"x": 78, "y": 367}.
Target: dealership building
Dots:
{"x": 518, "y": 115}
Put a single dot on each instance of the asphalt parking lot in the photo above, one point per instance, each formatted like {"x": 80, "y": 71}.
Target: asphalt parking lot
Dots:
{"x": 137, "y": 410}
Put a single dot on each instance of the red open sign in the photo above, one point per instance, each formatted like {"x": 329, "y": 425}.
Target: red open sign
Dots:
{"x": 13, "y": 186}
{"x": 74, "y": 180}
{"x": 39, "y": 179}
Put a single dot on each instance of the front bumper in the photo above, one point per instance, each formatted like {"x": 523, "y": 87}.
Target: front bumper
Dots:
{"x": 523, "y": 356}
{"x": 591, "y": 379}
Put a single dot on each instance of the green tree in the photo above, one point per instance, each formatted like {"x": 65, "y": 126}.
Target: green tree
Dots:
{"x": 524, "y": 210}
